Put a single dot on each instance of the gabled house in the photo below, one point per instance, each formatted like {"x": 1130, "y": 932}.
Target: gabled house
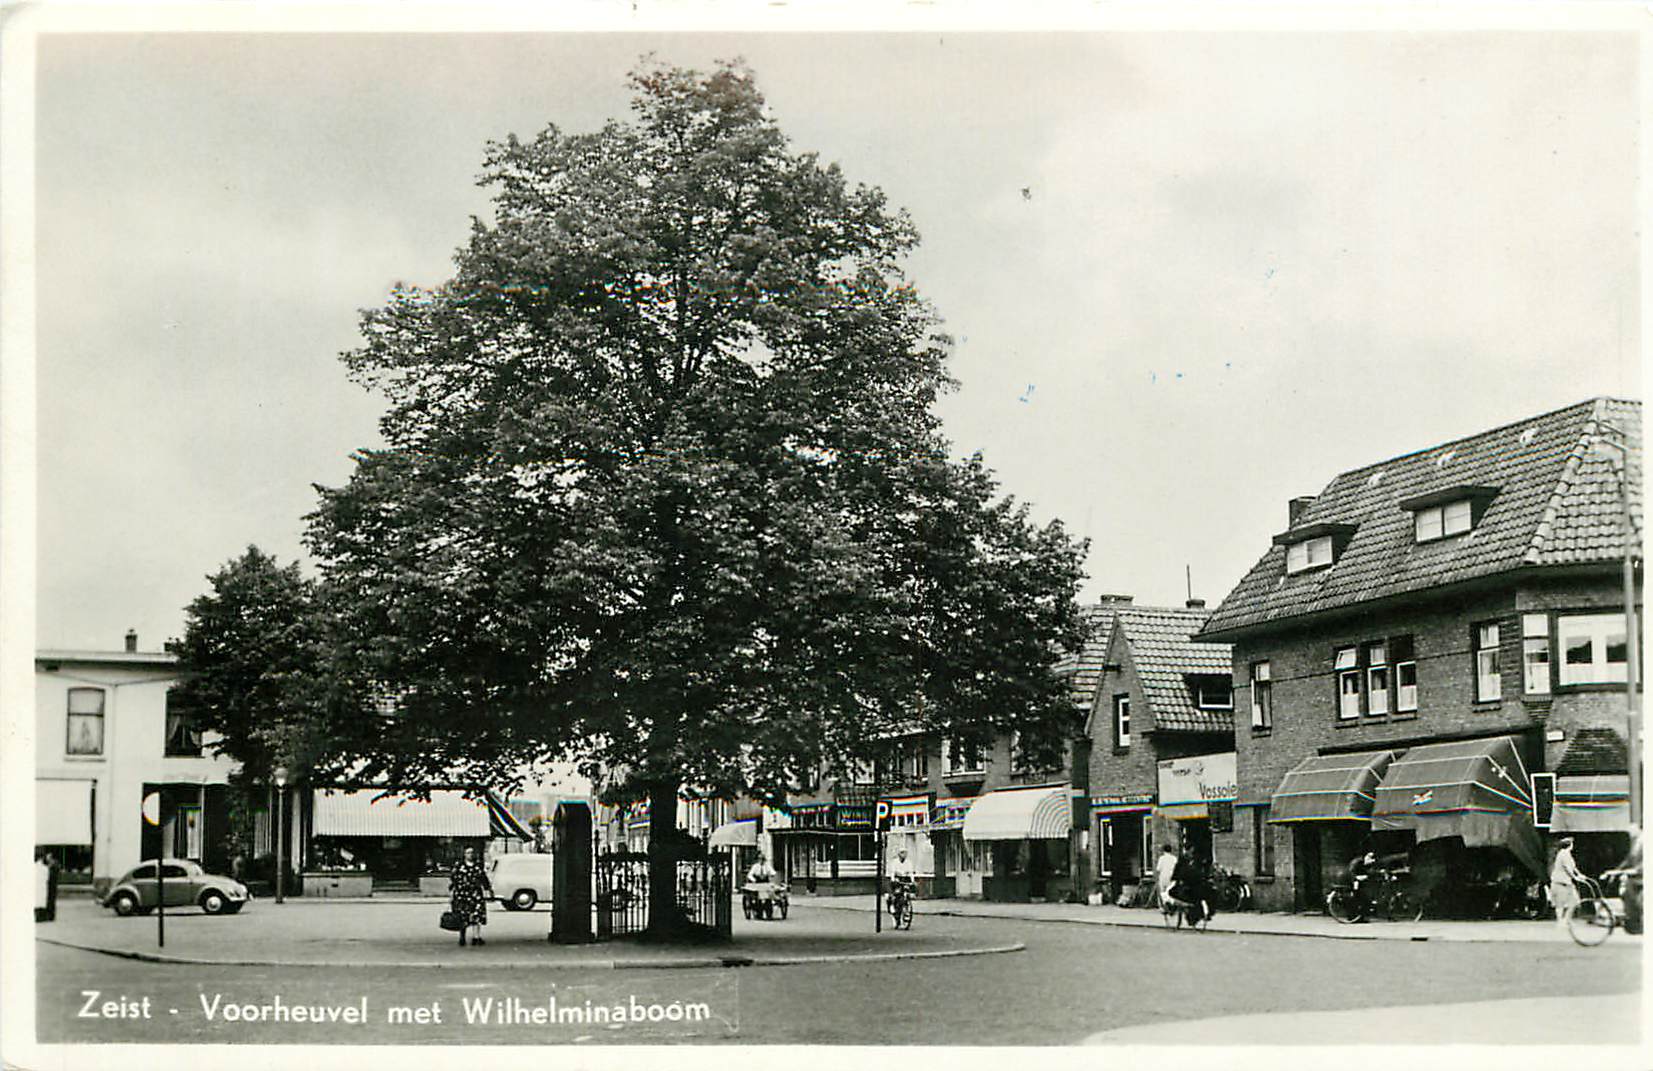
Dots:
{"x": 1428, "y": 637}
{"x": 1161, "y": 743}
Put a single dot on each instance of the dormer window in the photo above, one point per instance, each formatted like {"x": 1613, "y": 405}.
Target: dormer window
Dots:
{"x": 1448, "y": 512}
{"x": 1438, "y": 522}
{"x": 1314, "y": 546}
{"x": 1213, "y": 691}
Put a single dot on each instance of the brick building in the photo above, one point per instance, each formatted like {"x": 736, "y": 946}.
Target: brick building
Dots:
{"x": 1427, "y": 634}
{"x": 1161, "y": 715}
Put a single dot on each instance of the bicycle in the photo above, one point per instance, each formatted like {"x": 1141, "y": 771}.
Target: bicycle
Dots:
{"x": 1392, "y": 899}
{"x": 1593, "y": 919}
{"x": 901, "y": 905}
{"x": 1229, "y": 891}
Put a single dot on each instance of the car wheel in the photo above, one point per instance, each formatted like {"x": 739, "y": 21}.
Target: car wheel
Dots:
{"x": 524, "y": 900}
{"x": 125, "y": 904}
{"x": 213, "y": 902}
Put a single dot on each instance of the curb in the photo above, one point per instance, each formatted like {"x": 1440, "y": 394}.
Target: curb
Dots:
{"x": 682, "y": 963}
{"x": 1355, "y": 935}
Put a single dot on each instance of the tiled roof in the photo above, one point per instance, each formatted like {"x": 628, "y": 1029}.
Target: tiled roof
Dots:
{"x": 1556, "y": 504}
{"x": 1594, "y": 751}
{"x": 1085, "y": 667}
{"x": 1164, "y": 657}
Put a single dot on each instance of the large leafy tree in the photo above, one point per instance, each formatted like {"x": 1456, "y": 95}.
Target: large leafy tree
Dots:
{"x": 252, "y": 666}
{"x": 662, "y": 488}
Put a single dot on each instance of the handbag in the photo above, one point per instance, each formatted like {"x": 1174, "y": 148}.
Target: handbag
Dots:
{"x": 452, "y": 922}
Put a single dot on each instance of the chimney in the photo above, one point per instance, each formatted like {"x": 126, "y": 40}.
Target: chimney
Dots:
{"x": 1196, "y": 604}
{"x": 1114, "y": 600}
{"x": 1297, "y": 507}
{"x": 131, "y": 641}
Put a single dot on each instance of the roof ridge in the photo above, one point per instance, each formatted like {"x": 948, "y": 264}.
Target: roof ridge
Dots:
{"x": 1590, "y": 402}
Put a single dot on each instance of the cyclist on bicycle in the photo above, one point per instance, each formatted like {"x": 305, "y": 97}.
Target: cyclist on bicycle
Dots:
{"x": 902, "y": 875}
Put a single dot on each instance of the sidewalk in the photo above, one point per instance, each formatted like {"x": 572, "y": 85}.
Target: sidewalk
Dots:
{"x": 1541, "y": 931}
{"x": 404, "y": 933}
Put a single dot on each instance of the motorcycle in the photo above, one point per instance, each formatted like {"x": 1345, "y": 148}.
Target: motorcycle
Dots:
{"x": 764, "y": 899}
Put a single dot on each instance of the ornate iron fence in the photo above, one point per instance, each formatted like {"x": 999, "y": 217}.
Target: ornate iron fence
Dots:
{"x": 703, "y": 885}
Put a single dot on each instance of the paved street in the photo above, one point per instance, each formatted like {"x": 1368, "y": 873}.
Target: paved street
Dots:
{"x": 1073, "y": 983}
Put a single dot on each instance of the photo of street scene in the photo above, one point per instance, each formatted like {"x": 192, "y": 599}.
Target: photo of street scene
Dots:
{"x": 922, "y": 536}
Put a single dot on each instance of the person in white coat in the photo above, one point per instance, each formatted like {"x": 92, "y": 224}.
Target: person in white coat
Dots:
{"x": 1564, "y": 875}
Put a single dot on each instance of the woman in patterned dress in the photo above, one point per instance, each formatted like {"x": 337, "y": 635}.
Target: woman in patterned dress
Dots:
{"x": 469, "y": 891}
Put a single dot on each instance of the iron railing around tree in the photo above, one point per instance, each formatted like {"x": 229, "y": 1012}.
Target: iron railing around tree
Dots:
{"x": 702, "y": 882}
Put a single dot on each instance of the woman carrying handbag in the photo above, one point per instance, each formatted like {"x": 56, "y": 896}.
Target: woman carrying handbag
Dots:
{"x": 468, "y": 895}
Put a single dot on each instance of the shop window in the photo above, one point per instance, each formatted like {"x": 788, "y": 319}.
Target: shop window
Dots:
{"x": 1535, "y": 654}
{"x": 1406, "y": 674}
{"x": 1262, "y": 842}
{"x": 85, "y": 722}
{"x": 1593, "y": 649}
{"x": 1346, "y": 660}
{"x": 1262, "y": 698}
{"x": 1488, "y": 679}
{"x": 1121, "y": 721}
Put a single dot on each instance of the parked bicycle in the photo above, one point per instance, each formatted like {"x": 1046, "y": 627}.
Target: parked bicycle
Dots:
{"x": 1600, "y": 908}
{"x": 1229, "y": 891}
{"x": 1385, "y": 893}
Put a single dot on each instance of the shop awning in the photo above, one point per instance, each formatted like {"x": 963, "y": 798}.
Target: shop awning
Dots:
{"x": 502, "y": 823}
{"x": 742, "y": 832}
{"x": 949, "y": 813}
{"x": 1474, "y": 789}
{"x": 370, "y": 812}
{"x": 1040, "y": 813}
{"x": 1592, "y": 803}
{"x": 1330, "y": 788}
{"x": 63, "y": 812}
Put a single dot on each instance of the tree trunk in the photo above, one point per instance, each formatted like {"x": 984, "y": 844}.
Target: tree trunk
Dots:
{"x": 666, "y": 847}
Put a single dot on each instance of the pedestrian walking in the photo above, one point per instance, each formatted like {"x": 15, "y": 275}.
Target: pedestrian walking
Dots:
{"x": 42, "y": 888}
{"x": 1164, "y": 868}
{"x": 1564, "y": 881}
{"x": 468, "y": 895}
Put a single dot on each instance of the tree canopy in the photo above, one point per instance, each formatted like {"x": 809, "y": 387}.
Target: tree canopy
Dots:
{"x": 251, "y": 665}
{"x": 662, "y": 489}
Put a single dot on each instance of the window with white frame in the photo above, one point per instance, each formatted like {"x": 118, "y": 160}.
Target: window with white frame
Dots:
{"x": 1347, "y": 663}
{"x": 85, "y": 722}
{"x": 1535, "y": 654}
{"x": 1377, "y": 678}
{"x": 1262, "y": 698}
{"x": 1489, "y": 682}
{"x": 1121, "y": 721}
{"x": 1593, "y": 649}
{"x": 1213, "y": 692}
{"x": 1406, "y": 674}
{"x": 1308, "y": 554}
{"x": 1438, "y": 522}
{"x": 963, "y": 757}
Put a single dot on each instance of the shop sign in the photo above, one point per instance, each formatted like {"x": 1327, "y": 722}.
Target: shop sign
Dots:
{"x": 855, "y": 815}
{"x": 1123, "y": 799}
{"x": 1198, "y": 779}
{"x": 949, "y": 813}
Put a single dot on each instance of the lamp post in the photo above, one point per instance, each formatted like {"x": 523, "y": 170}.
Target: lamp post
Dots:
{"x": 280, "y": 832}
{"x": 1616, "y": 443}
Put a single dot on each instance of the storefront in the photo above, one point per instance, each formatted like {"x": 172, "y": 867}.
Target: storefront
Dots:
{"x": 961, "y": 866}
{"x": 909, "y": 831}
{"x": 1192, "y": 790}
{"x": 1593, "y": 809}
{"x": 400, "y": 839}
{"x": 1326, "y": 801}
{"x": 1123, "y": 832}
{"x": 1468, "y": 806}
{"x": 1027, "y": 829}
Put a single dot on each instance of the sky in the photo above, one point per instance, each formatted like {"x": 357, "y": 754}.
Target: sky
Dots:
{"x": 1189, "y": 275}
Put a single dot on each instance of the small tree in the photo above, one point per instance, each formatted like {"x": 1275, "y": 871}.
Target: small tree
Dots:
{"x": 663, "y": 491}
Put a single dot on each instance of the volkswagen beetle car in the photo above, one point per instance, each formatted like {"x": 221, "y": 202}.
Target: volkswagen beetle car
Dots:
{"x": 138, "y": 892}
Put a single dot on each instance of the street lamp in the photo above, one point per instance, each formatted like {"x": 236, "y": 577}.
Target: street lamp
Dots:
{"x": 1615, "y": 442}
{"x": 281, "y": 798}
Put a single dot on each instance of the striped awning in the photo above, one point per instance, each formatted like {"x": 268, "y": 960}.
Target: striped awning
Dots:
{"x": 63, "y": 812}
{"x": 1593, "y": 803}
{"x": 1473, "y": 789}
{"x": 742, "y": 832}
{"x": 949, "y": 813}
{"x": 1039, "y": 813}
{"x": 372, "y": 812}
{"x": 1330, "y": 788}
{"x": 502, "y": 823}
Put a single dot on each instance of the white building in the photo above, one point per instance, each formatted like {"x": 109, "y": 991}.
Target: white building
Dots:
{"x": 104, "y": 738}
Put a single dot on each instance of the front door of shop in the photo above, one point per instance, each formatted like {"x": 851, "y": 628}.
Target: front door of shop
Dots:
{"x": 1196, "y": 838}
{"x": 1305, "y": 864}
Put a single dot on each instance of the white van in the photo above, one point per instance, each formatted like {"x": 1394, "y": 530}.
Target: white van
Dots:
{"x": 521, "y": 879}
